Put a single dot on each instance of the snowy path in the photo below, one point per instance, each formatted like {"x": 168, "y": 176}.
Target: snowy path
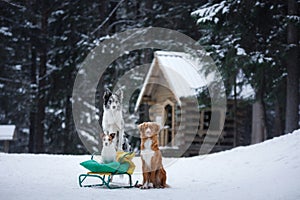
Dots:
{"x": 270, "y": 170}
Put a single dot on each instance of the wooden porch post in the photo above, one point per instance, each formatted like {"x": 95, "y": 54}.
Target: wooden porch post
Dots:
{"x": 6, "y": 146}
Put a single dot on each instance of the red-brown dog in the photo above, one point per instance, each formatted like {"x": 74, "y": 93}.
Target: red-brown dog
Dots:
{"x": 154, "y": 174}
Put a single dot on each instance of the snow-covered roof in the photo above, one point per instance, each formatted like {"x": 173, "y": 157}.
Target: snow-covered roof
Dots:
{"x": 180, "y": 71}
{"x": 7, "y": 132}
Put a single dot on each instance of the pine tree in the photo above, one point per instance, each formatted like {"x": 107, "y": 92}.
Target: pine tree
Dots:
{"x": 292, "y": 65}
{"x": 239, "y": 39}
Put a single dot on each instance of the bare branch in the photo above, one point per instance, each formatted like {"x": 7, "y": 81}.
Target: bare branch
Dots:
{"x": 108, "y": 17}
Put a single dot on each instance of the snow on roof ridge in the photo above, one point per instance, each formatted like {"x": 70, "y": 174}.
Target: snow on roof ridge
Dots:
{"x": 170, "y": 53}
{"x": 180, "y": 70}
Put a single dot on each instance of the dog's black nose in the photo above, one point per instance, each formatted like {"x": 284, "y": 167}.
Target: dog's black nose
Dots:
{"x": 114, "y": 107}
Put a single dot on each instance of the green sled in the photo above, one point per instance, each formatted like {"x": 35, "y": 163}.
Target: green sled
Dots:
{"x": 104, "y": 172}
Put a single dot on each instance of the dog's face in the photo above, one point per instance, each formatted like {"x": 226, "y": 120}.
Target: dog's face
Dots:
{"x": 107, "y": 139}
{"x": 148, "y": 129}
{"x": 113, "y": 101}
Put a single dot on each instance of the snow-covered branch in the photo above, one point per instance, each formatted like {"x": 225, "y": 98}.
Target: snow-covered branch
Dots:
{"x": 208, "y": 12}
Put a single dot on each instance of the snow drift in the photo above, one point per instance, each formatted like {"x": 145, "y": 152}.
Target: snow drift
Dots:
{"x": 270, "y": 170}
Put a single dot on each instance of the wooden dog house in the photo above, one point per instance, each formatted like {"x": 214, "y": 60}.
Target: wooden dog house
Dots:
{"x": 171, "y": 81}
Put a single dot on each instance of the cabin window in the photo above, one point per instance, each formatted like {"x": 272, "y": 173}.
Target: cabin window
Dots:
{"x": 167, "y": 133}
{"x": 168, "y": 123}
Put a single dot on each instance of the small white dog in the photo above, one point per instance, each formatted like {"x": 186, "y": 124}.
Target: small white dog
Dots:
{"x": 112, "y": 121}
{"x": 108, "y": 153}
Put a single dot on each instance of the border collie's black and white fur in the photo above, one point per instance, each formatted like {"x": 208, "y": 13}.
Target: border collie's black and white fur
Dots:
{"x": 112, "y": 121}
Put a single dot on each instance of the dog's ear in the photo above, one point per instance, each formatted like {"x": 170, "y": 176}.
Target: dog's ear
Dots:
{"x": 141, "y": 127}
{"x": 156, "y": 127}
{"x": 102, "y": 135}
{"x": 112, "y": 135}
{"x": 107, "y": 94}
{"x": 119, "y": 93}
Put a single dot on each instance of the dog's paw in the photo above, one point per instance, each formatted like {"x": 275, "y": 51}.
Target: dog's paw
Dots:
{"x": 146, "y": 185}
{"x": 150, "y": 185}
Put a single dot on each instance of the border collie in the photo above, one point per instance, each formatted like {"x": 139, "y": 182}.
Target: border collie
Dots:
{"x": 112, "y": 121}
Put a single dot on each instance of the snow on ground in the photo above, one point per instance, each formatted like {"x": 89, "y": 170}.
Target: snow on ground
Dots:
{"x": 270, "y": 170}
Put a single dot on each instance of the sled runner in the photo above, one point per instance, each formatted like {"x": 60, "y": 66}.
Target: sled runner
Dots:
{"x": 104, "y": 172}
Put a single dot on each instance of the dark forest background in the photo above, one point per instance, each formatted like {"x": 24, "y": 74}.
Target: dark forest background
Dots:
{"x": 43, "y": 43}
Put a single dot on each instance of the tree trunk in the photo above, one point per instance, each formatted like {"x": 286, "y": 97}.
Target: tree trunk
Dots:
{"x": 292, "y": 103}
{"x": 278, "y": 125}
{"x": 33, "y": 113}
{"x": 259, "y": 121}
{"x": 68, "y": 136}
{"x": 67, "y": 129}
{"x": 235, "y": 131}
{"x": 42, "y": 88}
{"x": 259, "y": 131}
{"x": 41, "y": 107}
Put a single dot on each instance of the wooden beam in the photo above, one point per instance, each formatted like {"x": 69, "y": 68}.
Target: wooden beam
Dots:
{"x": 6, "y": 146}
